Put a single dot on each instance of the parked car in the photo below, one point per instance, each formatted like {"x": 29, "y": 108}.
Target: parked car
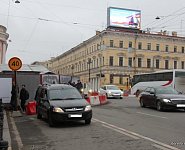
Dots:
{"x": 162, "y": 98}
{"x": 60, "y": 102}
{"x": 111, "y": 91}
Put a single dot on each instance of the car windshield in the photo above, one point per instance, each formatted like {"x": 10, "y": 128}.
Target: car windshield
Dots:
{"x": 64, "y": 94}
{"x": 112, "y": 88}
{"x": 167, "y": 90}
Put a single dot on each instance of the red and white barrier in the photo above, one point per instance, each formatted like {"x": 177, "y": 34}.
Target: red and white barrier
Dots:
{"x": 96, "y": 98}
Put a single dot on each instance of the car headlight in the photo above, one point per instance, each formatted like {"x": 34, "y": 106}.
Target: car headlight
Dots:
{"x": 58, "y": 110}
{"x": 166, "y": 100}
{"x": 88, "y": 107}
{"x": 109, "y": 92}
{"x": 82, "y": 90}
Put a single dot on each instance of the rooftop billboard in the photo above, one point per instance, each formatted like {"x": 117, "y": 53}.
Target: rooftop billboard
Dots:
{"x": 125, "y": 18}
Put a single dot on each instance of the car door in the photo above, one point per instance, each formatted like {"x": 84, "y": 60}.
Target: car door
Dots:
{"x": 146, "y": 96}
{"x": 151, "y": 97}
{"x": 45, "y": 103}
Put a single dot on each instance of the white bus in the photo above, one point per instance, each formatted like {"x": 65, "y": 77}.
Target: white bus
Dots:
{"x": 174, "y": 78}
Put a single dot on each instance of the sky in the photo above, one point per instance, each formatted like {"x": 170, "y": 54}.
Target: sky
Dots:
{"x": 41, "y": 29}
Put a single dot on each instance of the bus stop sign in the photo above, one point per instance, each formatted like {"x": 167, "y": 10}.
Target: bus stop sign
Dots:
{"x": 15, "y": 63}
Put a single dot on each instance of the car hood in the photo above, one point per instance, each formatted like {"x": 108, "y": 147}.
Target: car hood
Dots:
{"x": 69, "y": 103}
{"x": 171, "y": 96}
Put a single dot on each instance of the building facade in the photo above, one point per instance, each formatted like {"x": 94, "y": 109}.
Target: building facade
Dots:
{"x": 114, "y": 56}
{"x": 3, "y": 44}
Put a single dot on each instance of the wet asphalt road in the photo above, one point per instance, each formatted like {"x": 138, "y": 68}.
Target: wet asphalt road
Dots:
{"x": 119, "y": 125}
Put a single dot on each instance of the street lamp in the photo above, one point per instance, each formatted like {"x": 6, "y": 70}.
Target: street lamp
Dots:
{"x": 89, "y": 63}
{"x": 17, "y": 1}
{"x": 72, "y": 68}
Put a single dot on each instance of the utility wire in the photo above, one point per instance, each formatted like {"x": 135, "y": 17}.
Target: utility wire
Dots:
{"x": 165, "y": 17}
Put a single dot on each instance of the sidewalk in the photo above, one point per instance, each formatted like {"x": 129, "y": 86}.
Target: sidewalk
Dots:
{"x": 6, "y": 129}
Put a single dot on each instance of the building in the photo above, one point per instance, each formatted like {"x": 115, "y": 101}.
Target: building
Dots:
{"x": 114, "y": 56}
{"x": 3, "y": 44}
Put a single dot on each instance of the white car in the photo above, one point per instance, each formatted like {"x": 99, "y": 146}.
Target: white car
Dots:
{"x": 111, "y": 91}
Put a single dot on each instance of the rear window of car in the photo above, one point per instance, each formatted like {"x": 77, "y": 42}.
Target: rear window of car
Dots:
{"x": 64, "y": 93}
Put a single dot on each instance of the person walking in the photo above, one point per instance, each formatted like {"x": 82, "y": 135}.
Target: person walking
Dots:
{"x": 24, "y": 95}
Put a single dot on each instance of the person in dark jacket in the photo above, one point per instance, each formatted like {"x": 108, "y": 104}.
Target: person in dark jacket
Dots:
{"x": 79, "y": 86}
{"x": 13, "y": 101}
{"x": 24, "y": 95}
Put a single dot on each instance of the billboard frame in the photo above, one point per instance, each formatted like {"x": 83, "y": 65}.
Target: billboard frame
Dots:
{"x": 119, "y": 27}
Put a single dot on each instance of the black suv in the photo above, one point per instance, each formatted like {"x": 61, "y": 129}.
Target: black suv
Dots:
{"x": 61, "y": 102}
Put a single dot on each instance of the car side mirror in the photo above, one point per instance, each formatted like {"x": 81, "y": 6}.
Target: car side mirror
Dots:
{"x": 85, "y": 96}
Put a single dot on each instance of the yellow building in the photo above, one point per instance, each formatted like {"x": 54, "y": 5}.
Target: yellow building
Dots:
{"x": 112, "y": 56}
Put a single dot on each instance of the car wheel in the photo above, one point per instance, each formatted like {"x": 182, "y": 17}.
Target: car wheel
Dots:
{"x": 159, "y": 106}
{"x": 50, "y": 121}
{"x": 39, "y": 116}
{"x": 88, "y": 121}
{"x": 142, "y": 103}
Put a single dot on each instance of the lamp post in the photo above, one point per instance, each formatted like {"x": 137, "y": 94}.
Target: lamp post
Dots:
{"x": 89, "y": 63}
{"x": 72, "y": 68}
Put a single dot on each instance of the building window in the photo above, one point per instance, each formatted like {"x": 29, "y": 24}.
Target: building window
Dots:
{"x": 175, "y": 64}
{"x": 111, "y": 43}
{"x": 157, "y": 47}
{"x": 182, "y": 49}
{"x": 166, "y": 64}
{"x": 148, "y": 63}
{"x": 111, "y": 78}
{"x": 182, "y": 64}
{"x": 157, "y": 63}
{"x": 130, "y": 62}
{"x": 130, "y": 44}
{"x": 175, "y": 49}
{"x": 111, "y": 59}
{"x": 120, "y": 44}
{"x": 139, "y": 45}
{"x": 166, "y": 48}
{"x": 120, "y": 61}
{"x": 149, "y": 46}
{"x": 97, "y": 62}
{"x": 120, "y": 80}
{"x": 139, "y": 62}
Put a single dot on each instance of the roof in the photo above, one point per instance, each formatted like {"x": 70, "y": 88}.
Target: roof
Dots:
{"x": 25, "y": 67}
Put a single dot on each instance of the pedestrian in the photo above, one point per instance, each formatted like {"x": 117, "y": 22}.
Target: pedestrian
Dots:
{"x": 24, "y": 95}
{"x": 13, "y": 101}
{"x": 79, "y": 86}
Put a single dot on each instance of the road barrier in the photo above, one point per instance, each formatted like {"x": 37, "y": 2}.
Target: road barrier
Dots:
{"x": 31, "y": 108}
{"x": 96, "y": 98}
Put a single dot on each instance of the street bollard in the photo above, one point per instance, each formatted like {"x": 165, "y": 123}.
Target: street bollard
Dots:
{"x": 3, "y": 144}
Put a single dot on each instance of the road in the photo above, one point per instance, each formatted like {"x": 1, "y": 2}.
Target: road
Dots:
{"x": 119, "y": 125}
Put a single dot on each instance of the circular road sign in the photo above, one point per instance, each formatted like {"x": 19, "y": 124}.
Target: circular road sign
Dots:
{"x": 15, "y": 63}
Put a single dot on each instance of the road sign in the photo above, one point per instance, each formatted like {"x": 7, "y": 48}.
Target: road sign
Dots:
{"x": 15, "y": 63}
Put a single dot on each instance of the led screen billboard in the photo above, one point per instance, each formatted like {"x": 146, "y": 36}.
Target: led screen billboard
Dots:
{"x": 126, "y": 18}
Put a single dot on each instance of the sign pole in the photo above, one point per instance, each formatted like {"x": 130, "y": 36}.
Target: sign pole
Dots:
{"x": 15, "y": 64}
{"x": 15, "y": 80}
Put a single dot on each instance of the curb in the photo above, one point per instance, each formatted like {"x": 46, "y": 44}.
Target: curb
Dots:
{"x": 6, "y": 132}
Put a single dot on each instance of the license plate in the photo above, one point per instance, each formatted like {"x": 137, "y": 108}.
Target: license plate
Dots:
{"x": 180, "y": 105}
{"x": 75, "y": 115}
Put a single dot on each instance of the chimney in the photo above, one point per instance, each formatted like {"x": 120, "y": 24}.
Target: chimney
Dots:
{"x": 174, "y": 33}
{"x": 98, "y": 32}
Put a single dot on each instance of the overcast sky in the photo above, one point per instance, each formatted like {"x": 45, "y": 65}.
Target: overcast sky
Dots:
{"x": 41, "y": 29}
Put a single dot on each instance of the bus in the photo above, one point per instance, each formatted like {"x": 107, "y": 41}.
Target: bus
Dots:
{"x": 174, "y": 78}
